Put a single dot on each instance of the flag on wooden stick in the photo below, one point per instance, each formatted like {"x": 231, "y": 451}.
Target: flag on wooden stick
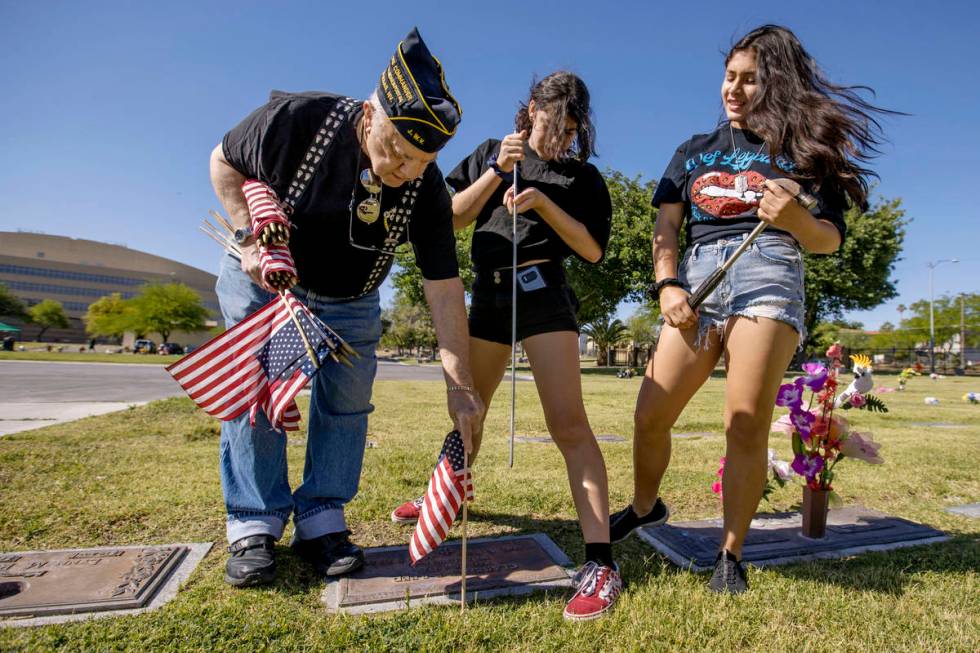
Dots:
{"x": 450, "y": 484}
{"x": 260, "y": 364}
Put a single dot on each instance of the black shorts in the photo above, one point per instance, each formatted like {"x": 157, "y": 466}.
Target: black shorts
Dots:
{"x": 543, "y": 310}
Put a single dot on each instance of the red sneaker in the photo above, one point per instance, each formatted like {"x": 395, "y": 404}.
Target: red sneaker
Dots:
{"x": 408, "y": 512}
{"x": 598, "y": 588}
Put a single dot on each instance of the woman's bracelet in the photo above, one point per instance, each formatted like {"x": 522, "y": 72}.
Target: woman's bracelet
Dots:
{"x": 459, "y": 388}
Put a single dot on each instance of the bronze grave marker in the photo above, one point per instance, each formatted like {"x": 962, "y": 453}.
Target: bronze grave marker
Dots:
{"x": 42, "y": 583}
{"x": 495, "y": 567}
{"x": 776, "y": 538}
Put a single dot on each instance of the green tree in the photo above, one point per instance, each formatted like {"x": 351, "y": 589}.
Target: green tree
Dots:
{"x": 859, "y": 275}
{"x": 947, "y": 320}
{"x": 46, "y": 314}
{"x": 10, "y": 304}
{"x": 108, "y": 316}
{"x": 642, "y": 325}
{"x": 407, "y": 326}
{"x": 604, "y": 333}
{"x": 850, "y": 334}
{"x": 627, "y": 269}
{"x": 407, "y": 278}
{"x": 165, "y": 308}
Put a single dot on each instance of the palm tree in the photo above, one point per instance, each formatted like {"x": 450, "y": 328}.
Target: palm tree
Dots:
{"x": 604, "y": 333}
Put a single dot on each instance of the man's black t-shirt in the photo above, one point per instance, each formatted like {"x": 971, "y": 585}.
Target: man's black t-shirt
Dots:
{"x": 577, "y": 188}
{"x": 269, "y": 145}
{"x": 721, "y": 184}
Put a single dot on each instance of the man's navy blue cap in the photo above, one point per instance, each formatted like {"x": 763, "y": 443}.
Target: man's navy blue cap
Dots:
{"x": 414, "y": 94}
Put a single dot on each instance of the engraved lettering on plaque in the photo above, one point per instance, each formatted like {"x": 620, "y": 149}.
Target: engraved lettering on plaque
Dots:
{"x": 146, "y": 564}
{"x": 97, "y": 554}
{"x": 72, "y": 581}
{"x": 491, "y": 565}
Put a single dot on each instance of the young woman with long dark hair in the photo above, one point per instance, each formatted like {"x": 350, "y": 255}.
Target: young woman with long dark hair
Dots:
{"x": 563, "y": 210}
{"x": 785, "y": 120}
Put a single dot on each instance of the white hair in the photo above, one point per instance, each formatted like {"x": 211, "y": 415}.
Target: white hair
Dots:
{"x": 375, "y": 102}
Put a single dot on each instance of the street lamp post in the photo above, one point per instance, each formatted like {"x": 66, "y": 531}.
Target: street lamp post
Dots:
{"x": 932, "y": 318}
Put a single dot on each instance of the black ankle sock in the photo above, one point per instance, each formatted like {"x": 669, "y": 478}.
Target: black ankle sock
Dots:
{"x": 600, "y": 552}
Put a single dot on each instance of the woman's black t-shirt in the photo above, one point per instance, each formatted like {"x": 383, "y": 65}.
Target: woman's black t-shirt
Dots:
{"x": 577, "y": 188}
{"x": 719, "y": 177}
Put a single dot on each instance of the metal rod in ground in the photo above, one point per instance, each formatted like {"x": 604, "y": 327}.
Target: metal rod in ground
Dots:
{"x": 299, "y": 327}
{"x": 466, "y": 485}
{"x": 513, "y": 325}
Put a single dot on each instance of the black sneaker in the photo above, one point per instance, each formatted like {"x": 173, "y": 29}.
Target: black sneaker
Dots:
{"x": 624, "y": 522}
{"x": 729, "y": 575}
{"x": 332, "y": 554}
{"x": 252, "y": 561}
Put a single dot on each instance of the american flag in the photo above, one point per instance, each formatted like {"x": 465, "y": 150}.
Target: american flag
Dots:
{"x": 450, "y": 481}
{"x": 276, "y": 258}
{"x": 259, "y": 364}
{"x": 263, "y": 205}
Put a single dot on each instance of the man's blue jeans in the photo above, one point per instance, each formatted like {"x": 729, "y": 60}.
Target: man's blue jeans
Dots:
{"x": 253, "y": 458}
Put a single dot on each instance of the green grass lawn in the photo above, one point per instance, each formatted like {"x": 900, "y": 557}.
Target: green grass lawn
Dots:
{"x": 149, "y": 475}
{"x": 87, "y": 357}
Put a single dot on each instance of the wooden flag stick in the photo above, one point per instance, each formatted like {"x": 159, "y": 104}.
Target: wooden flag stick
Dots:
{"x": 468, "y": 481}
{"x": 228, "y": 247}
{"x": 221, "y": 219}
{"x": 226, "y": 238}
{"x": 302, "y": 334}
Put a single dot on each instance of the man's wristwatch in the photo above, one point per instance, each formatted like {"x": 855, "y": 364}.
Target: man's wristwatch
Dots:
{"x": 242, "y": 235}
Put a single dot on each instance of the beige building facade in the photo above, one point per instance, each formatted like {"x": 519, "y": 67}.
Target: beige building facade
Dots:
{"x": 77, "y": 272}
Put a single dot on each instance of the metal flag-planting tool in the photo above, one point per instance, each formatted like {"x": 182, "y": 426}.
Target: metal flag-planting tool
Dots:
{"x": 807, "y": 201}
{"x": 513, "y": 324}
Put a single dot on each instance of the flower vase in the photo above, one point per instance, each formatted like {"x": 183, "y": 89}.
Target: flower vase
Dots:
{"x": 815, "y": 512}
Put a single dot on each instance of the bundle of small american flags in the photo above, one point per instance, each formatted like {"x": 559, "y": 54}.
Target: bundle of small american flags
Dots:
{"x": 270, "y": 227}
{"x": 261, "y": 363}
{"x": 450, "y": 485}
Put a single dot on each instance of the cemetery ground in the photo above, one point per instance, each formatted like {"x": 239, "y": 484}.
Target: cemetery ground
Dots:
{"x": 149, "y": 475}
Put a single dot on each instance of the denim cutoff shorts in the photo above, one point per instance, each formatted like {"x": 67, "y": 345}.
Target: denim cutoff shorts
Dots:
{"x": 765, "y": 281}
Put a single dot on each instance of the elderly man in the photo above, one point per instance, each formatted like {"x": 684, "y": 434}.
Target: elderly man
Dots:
{"x": 337, "y": 165}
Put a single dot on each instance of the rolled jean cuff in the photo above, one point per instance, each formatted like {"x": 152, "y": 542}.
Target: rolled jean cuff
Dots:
{"x": 320, "y": 521}
{"x": 250, "y": 525}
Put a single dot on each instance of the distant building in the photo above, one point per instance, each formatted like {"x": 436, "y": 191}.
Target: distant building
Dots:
{"x": 78, "y": 272}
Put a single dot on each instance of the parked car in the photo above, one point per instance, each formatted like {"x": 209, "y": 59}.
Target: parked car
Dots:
{"x": 170, "y": 348}
{"x": 144, "y": 347}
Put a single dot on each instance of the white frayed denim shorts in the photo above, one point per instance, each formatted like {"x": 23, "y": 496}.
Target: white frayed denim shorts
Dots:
{"x": 766, "y": 281}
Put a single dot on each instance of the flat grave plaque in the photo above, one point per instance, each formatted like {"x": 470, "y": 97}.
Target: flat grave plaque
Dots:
{"x": 693, "y": 435}
{"x": 603, "y": 437}
{"x": 938, "y": 425}
{"x": 41, "y": 583}
{"x": 776, "y": 539}
{"x": 967, "y": 510}
{"x": 526, "y": 439}
{"x": 495, "y": 567}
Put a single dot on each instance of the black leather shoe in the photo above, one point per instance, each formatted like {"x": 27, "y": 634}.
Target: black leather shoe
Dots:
{"x": 252, "y": 561}
{"x": 332, "y": 554}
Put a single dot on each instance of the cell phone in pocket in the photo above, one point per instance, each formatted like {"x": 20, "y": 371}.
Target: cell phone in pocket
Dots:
{"x": 530, "y": 278}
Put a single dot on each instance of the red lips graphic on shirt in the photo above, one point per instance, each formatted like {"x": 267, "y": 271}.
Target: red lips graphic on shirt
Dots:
{"x": 716, "y": 194}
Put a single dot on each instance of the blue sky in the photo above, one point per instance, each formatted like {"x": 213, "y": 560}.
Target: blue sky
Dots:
{"x": 109, "y": 110}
